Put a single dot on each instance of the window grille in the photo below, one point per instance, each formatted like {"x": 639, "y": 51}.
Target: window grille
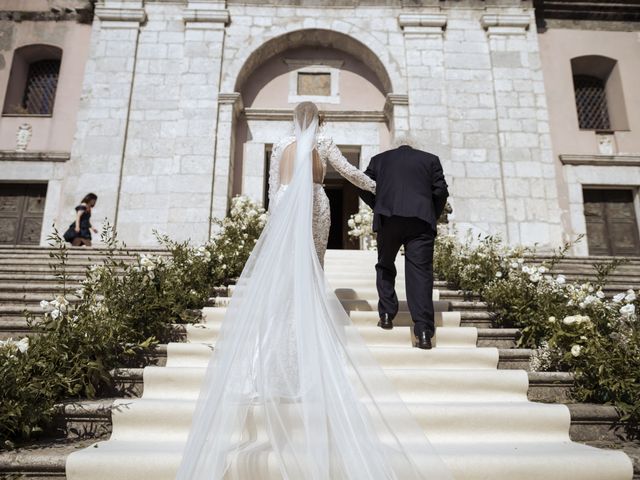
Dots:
{"x": 591, "y": 102}
{"x": 40, "y": 90}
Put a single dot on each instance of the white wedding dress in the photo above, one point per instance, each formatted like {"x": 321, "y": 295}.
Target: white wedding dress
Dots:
{"x": 291, "y": 390}
{"x": 328, "y": 152}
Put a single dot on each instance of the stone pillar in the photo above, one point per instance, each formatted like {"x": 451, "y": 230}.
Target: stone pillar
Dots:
{"x": 168, "y": 168}
{"x": 205, "y": 24}
{"x": 229, "y": 107}
{"x": 97, "y": 153}
{"x": 423, "y": 40}
{"x": 472, "y": 167}
{"x": 527, "y": 164}
{"x": 396, "y": 109}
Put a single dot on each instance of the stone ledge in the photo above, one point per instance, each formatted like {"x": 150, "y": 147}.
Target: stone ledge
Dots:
{"x": 420, "y": 24}
{"x": 505, "y": 24}
{"x": 336, "y": 115}
{"x": 206, "y": 15}
{"x": 121, "y": 14}
{"x": 15, "y": 156}
{"x": 601, "y": 160}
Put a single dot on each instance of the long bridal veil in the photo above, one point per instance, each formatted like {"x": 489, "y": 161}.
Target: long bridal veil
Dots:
{"x": 291, "y": 390}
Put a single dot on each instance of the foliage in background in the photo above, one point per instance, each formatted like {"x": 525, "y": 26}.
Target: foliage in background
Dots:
{"x": 571, "y": 326}
{"x": 125, "y": 306}
{"x": 237, "y": 234}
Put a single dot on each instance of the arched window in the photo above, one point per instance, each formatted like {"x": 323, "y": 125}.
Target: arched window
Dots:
{"x": 33, "y": 80}
{"x": 598, "y": 92}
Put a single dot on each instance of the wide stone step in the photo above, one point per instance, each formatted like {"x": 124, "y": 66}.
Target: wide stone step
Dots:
{"x": 413, "y": 385}
{"x": 170, "y": 420}
{"x": 469, "y": 460}
{"x": 546, "y": 387}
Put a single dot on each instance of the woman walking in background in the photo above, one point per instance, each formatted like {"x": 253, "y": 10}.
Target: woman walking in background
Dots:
{"x": 79, "y": 232}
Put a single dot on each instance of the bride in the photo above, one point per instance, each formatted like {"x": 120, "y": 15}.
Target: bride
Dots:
{"x": 291, "y": 390}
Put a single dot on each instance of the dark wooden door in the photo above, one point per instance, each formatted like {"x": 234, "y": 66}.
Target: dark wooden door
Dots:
{"x": 612, "y": 227}
{"x": 21, "y": 211}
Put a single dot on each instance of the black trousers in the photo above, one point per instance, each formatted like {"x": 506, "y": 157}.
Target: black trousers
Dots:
{"x": 418, "y": 237}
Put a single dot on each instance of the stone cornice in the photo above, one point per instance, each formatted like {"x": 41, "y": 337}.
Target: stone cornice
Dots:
{"x": 15, "y": 156}
{"x": 231, "y": 98}
{"x": 121, "y": 14}
{"x": 601, "y": 160}
{"x": 505, "y": 24}
{"x": 419, "y": 24}
{"x": 202, "y": 15}
{"x": 329, "y": 115}
{"x": 398, "y": 98}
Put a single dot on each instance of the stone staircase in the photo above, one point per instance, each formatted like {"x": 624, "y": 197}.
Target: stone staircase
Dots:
{"x": 471, "y": 392}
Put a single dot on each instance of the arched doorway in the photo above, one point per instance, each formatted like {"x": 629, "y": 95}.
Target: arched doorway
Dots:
{"x": 346, "y": 82}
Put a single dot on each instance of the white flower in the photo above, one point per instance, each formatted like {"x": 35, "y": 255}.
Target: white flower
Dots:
{"x": 23, "y": 345}
{"x": 571, "y": 319}
{"x": 582, "y": 337}
{"x": 628, "y": 310}
{"x": 526, "y": 269}
{"x": 514, "y": 264}
{"x": 499, "y": 274}
{"x": 534, "y": 277}
{"x": 561, "y": 280}
{"x": 589, "y": 299}
{"x": 357, "y": 218}
{"x": 619, "y": 297}
{"x": 44, "y": 304}
{"x": 630, "y": 296}
{"x": 600, "y": 294}
{"x": 351, "y": 223}
{"x": 575, "y": 350}
{"x": 552, "y": 319}
{"x": 55, "y": 313}
{"x": 542, "y": 269}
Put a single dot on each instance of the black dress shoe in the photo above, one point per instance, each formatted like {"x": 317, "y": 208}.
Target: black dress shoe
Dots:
{"x": 386, "y": 321}
{"x": 423, "y": 341}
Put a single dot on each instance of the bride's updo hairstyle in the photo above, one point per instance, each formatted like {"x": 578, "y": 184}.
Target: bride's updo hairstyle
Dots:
{"x": 304, "y": 113}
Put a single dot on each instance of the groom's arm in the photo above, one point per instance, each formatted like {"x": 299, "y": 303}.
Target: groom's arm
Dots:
{"x": 439, "y": 189}
{"x": 366, "y": 196}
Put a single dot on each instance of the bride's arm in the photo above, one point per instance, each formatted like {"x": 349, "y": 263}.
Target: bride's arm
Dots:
{"x": 274, "y": 171}
{"x": 343, "y": 167}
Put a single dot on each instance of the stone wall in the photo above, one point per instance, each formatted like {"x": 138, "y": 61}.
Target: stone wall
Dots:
{"x": 161, "y": 101}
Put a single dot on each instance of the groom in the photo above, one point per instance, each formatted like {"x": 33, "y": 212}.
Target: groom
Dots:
{"x": 411, "y": 193}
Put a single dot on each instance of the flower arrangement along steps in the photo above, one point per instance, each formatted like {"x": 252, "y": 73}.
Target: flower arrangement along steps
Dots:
{"x": 477, "y": 416}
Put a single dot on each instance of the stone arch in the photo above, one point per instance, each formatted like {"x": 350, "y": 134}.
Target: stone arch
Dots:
{"x": 242, "y": 68}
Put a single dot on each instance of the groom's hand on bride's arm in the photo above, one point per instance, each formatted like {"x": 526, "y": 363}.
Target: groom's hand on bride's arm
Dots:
{"x": 439, "y": 189}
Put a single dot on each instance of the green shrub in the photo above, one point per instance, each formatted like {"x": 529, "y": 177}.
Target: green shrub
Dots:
{"x": 122, "y": 310}
{"x": 571, "y": 326}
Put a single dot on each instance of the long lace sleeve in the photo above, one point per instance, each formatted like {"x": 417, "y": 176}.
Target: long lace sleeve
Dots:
{"x": 274, "y": 171}
{"x": 326, "y": 147}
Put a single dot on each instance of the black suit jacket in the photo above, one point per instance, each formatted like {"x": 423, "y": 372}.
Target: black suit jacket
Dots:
{"x": 409, "y": 183}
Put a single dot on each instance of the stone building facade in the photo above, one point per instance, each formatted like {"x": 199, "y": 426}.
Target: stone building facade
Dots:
{"x": 180, "y": 102}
